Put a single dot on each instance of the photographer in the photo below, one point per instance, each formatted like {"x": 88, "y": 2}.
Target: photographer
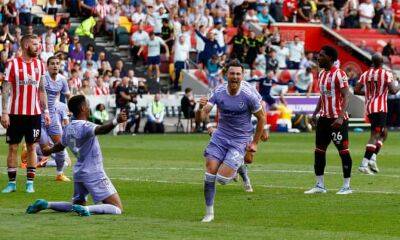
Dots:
{"x": 123, "y": 98}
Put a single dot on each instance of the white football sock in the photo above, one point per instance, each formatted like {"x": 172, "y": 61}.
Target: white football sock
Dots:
{"x": 320, "y": 181}
{"x": 364, "y": 162}
{"x": 346, "y": 182}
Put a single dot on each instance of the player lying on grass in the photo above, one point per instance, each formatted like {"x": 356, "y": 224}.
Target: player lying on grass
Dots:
{"x": 374, "y": 84}
{"x": 233, "y": 137}
{"x": 89, "y": 175}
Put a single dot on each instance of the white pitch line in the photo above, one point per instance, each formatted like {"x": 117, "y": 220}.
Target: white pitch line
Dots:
{"x": 250, "y": 170}
{"x": 200, "y": 183}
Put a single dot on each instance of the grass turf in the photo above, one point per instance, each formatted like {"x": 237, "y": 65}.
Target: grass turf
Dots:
{"x": 160, "y": 180}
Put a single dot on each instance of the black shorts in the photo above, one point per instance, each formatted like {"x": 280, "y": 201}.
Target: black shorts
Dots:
{"x": 325, "y": 133}
{"x": 378, "y": 121}
{"x": 23, "y": 126}
{"x": 268, "y": 99}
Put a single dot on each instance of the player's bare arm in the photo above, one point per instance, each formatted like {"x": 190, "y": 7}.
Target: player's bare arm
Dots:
{"x": 316, "y": 111}
{"x": 345, "y": 105}
{"x": 5, "y": 94}
{"x": 394, "y": 87}
{"x": 43, "y": 101}
{"x": 260, "y": 115}
{"x": 204, "y": 109}
{"x": 109, "y": 126}
{"x": 47, "y": 151}
{"x": 359, "y": 89}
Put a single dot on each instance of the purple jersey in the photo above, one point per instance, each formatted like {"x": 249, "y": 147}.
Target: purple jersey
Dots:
{"x": 53, "y": 90}
{"x": 80, "y": 138}
{"x": 62, "y": 111}
{"x": 235, "y": 111}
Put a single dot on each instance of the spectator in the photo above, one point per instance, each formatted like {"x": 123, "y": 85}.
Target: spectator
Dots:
{"x": 264, "y": 16}
{"x": 239, "y": 44}
{"x": 102, "y": 60}
{"x": 252, "y": 48}
{"x": 155, "y": 116}
{"x": 63, "y": 44}
{"x": 138, "y": 39}
{"x": 102, "y": 10}
{"x": 387, "y": 20}
{"x": 239, "y": 13}
{"x": 167, "y": 33}
{"x": 24, "y": 10}
{"x": 188, "y": 105}
{"x": 120, "y": 66}
{"x": 282, "y": 54}
{"x": 213, "y": 71}
{"x": 51, "y": 7}
{"x": 6, "y": 35}
{"x": 305, "y": 10}
{"x": 366, "y": 11}
{"x": 77, "y": 55}
{"x": 138, "y": 16}
{"x": 86, "y": 89}
{"x": 219, "y": 34}
{"x": 11, "y": 13}
{"x": 100, "y": 115}
{"x": 289, "y": 10}
{"x": 304, "y": 80}
{"x": 153, "y": 55}
{"x": 74, "y": 82}
{"x": 282, "y": 84}
{"x": 101, "y": 88}
{"x": 111, "y": 21}
{"x": 87, "y": 8}
{"x": 378, "y": 15}
{"x": 260, "y": 63}
{"x": 159, "y": 16}
{"x": 251, "y": 17}
{"x": 211, "y": 47}
{"x": 351, "y": 19}
{"x": 388, "y": 50}
{"x": 89, "y": 58}
{"x": 296, "y": 53}
{"x": 307, "y": 61}
{"x": 181, "y": 56}
{"x": 127, "y": 9}
{"x": 272, "y": 62}
{"x": 123, "y": 98}
{"x": 276, "y": 10}
{"x": 47, "y": 53}
{"x": 396, "y": 10}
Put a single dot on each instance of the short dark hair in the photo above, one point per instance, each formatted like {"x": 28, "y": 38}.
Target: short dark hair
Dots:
{"x": 330, "y": 52}
{"x": 377, "y": 60}
{"x": 27, "y": 37}
{"x": 75, "y": 104}
{"x": 188, "y": 90}
{"x": 234, "y": 63}
{"x": 51, "y": 58}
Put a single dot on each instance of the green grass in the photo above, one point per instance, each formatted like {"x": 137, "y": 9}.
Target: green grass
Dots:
{"x": 160, "y": 181}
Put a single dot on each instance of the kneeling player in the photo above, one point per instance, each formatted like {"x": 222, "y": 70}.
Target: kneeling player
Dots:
{"x": 89, "y": 175}
{"x": 378, "y": 82}
{"x": 233, "y": 137}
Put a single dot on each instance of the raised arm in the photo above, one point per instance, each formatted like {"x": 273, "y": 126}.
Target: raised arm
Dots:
{"x": 109, "y": 126}
{"x": 204, "y": 109}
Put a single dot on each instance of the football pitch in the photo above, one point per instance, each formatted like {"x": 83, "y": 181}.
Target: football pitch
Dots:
{"x": 160, "y": 181}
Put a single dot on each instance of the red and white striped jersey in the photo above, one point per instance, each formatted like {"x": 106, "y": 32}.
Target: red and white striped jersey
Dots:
{"x": 330, "y": 84}
{"x": 75, "y": 83}
{"x": 101, "y": 90}
{"x": 24, "y": 78}
{"x": 376, "y": 82}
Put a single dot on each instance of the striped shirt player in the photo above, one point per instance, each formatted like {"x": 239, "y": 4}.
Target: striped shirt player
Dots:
{"x": 332, "y": 125}
{"x": 330, "y": 84}
{"x": 375, "y": 84}
{"x": 23, "y": 101}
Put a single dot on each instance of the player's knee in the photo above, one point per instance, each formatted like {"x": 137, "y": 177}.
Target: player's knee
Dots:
{"x": 13, "y": 147}
{"x": 31, "y": 147}
{"x": 344, "y": 151}
{"x": 60, "y": 155}
{"x": 320, "y": 149}
{"x": 209, "y": 177}
{"x": 222, "y": 180}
